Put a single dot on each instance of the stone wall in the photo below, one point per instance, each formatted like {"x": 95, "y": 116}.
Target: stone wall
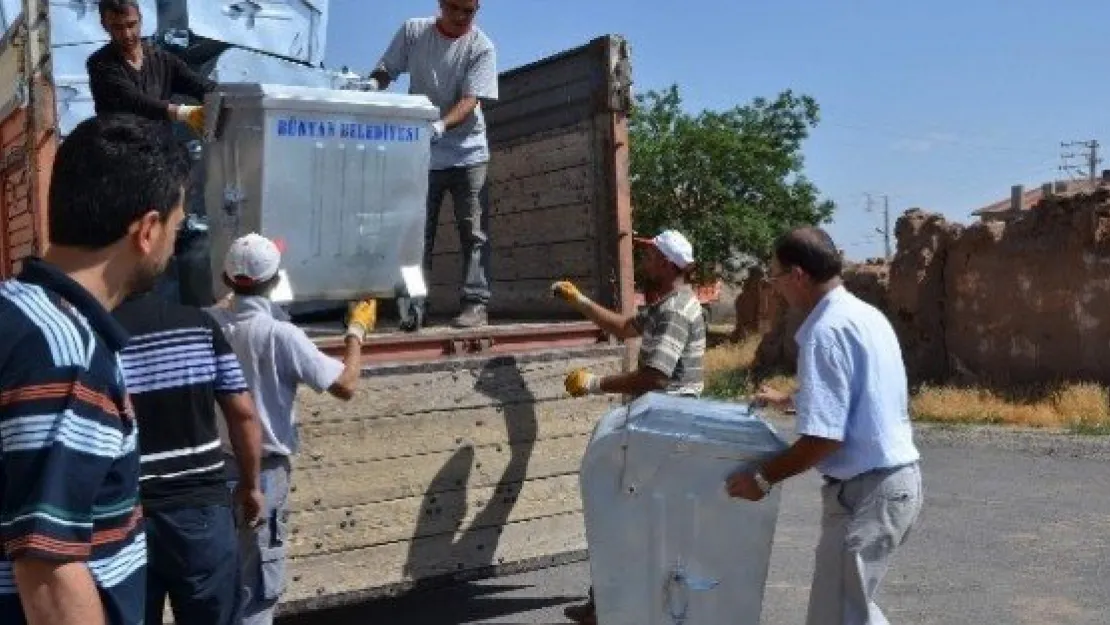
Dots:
{"x": 1024, "y": 302}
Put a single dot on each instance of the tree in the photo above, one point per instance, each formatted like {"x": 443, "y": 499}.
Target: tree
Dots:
{"x": 730, "y": 181}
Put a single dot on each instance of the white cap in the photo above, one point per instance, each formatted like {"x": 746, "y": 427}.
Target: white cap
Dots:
{"x": 252, "y": 259}
{"x": 674, "y": 247}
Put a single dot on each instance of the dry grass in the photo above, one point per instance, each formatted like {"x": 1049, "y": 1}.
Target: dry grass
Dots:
{"x": 1080, "y": 407}
{"x": 728, "y": 368}
{"x": 1083, "y": 408}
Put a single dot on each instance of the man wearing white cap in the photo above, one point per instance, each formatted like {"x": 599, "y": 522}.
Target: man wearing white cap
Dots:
{"x": 277, "y": 357}
{"x": 672, "y": 332}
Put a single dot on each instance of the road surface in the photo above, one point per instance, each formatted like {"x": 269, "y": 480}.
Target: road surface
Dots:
{"x": 1014, "y": 530}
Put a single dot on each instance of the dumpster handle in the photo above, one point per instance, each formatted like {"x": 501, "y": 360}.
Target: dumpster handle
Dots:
{"x": 677, "y": 591}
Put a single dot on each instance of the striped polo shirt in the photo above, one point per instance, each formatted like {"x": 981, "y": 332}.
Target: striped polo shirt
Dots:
{"x": 672, "y": 333}
{"x": 176, "y": 366}
{"x": 69, "y": 462}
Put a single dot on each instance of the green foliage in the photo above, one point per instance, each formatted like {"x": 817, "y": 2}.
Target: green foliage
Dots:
{"x": 730, "y": 181}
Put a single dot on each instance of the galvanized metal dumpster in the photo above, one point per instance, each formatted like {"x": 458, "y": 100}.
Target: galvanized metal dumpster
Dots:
{"x": 292, "y": 29}
{"x": 667, "y": 544}
{"x": 338, "y": 178}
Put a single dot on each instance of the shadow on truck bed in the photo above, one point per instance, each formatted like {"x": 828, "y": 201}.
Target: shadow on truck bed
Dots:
{"x": 450, "y": 598}
{"x": 499, "y": 380}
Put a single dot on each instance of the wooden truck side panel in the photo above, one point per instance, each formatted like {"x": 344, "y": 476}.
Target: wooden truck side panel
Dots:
{"x": 557, "y": 186}
{"x": 439, "y": 471}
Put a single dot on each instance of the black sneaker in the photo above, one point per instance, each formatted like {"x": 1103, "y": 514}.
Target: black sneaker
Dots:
{"x": 412, "y": 313}
{"x": 583, "y": 614}
{"x": 472, "y": 316}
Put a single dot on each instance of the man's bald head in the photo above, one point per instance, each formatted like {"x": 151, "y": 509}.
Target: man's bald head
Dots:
{"x": 812, "y": 250}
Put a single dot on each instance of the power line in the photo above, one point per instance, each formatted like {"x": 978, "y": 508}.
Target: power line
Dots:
{"x": 1091, "y": 157}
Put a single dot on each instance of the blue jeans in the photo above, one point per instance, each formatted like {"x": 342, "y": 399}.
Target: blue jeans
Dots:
{"x": 262, "y": 551}
{"x": 193, "y": 558}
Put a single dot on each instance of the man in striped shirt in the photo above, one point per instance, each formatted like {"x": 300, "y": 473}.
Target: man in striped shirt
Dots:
{"x": 178, "y": 366}
{"x": 74, "y": 550}
{"x": 672, "y": 340}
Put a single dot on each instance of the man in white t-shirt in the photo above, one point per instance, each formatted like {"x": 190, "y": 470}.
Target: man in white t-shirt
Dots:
{"x": 453, "y": 63}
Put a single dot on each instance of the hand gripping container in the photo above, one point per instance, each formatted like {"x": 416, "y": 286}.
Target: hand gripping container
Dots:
{"x": 667, "y": 544}
{"x": 338, "y": 179}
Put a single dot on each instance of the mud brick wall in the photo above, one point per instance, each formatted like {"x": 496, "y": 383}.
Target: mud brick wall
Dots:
{"x": 1004, "y": 304}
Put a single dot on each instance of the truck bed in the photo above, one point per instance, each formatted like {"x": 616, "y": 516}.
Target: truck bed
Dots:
{"x": 439, "y": 340}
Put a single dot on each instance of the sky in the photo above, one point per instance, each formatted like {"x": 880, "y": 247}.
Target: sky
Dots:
{"x": 938, "y": 104}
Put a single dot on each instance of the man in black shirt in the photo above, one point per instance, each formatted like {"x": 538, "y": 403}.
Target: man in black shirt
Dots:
{"x": 130, "y": 76}
{"x": 178, "y": 366}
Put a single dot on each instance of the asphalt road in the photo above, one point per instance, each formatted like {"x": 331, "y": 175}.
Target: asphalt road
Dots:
{"x": 1014, "y": 530}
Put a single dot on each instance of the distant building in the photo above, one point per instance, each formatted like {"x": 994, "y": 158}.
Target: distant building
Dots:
{"x": 1008, "y": 209}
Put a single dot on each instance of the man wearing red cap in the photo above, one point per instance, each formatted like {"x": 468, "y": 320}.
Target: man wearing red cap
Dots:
{"x": 672, "y": 333}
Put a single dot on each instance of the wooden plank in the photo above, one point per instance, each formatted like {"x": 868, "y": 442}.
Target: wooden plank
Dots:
{"x": 356, "y": 527}
{"x": 568, "y": 185}
{"x": 528, "y": 81}
{"x": 19, "y": 252}
{"x": 582, "y": 90}
{"x": 383, "y": 565}
{"x": 23, "y": 220}
{"x": 554, "y": 119}
{"x": 526, "y": 262}
{"x": 21, "y": 236}
{"x": 360, "y": 483}
{"x": 512, "y": 205}
{"x": 359, "y": 440}
{"x": 465, "y": 385}
{"x": 572, "y": 222}
{"x": 563, "y": 188}
{"x": 521, "y": 298}
{"x": 563, "y": 151}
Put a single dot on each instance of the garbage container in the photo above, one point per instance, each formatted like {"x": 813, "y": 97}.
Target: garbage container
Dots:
{"x": 667, "y": 544}
{"x": 338, "y": 179}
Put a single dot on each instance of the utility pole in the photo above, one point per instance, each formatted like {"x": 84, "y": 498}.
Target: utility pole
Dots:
{"x": 885, "y": 229}
{"x": 1090, "y": 155}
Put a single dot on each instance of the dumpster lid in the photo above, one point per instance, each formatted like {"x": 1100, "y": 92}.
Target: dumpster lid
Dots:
{"x": 297, "y": 98}
{"x": 738, "y": 424}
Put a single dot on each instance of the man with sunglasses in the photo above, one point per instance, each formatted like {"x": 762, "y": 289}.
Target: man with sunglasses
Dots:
{"x": 454, "y": 64}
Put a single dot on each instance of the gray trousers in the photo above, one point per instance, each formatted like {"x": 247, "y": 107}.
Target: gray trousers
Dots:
{"x": 262, "y": 551}
{"x": 864, "y": 521}
{"x": 469, "y": 191}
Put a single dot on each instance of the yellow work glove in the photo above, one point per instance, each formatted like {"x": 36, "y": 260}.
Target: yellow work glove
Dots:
{"x": 192, "y": 116}
{"x": 581, "y": 382}
{"x": 361, "y": 319}
{"x": 566, "y": 291}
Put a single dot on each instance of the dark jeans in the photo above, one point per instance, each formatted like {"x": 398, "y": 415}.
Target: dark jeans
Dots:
{"x": 469, "y": 191}
{"x": 193, "y": 557}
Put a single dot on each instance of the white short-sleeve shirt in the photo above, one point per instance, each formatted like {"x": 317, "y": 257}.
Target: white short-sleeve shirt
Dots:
{"x": 852, "y": 386}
